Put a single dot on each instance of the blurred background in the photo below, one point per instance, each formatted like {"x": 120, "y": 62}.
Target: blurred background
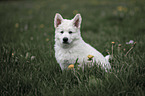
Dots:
{"x": 113, "y": 20}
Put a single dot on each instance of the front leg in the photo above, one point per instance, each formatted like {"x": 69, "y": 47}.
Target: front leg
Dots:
{"x": 63, "y": 66}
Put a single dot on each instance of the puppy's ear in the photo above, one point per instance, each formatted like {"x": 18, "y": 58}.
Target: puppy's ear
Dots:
{"x": 57, "y": 20}
{"x": 77, "y": 20}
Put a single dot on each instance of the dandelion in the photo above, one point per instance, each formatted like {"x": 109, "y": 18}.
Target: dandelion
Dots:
{"x": 90, "y": 56}
{"x": 42, "y": 26}
{"x": 90, "y": 60}
{"x": 121, "y": 8}
{"x": 75, "y": 12}
{"x": 130, "y": 42}
{"x": 113, "y": 42}
{"x": 47, "y": 39}
{"x": 17, "y": 25}
{"x": 12, "y": 54}
{"x": 71, "y": 66}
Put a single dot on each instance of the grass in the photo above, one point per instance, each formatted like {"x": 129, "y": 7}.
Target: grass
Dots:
{"x": 27, "y": 62}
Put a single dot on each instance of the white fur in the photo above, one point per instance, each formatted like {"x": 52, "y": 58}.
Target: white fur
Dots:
{"x": 67, "y": 54}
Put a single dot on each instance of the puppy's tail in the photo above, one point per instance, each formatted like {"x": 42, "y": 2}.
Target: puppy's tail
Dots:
{"x": 108, "y": 57}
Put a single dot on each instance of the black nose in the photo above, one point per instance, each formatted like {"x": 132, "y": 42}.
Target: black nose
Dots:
{"x": 65, "y": 39}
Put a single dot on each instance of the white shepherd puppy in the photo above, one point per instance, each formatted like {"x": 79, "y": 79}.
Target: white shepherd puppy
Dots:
{"x": 69, "y": 44}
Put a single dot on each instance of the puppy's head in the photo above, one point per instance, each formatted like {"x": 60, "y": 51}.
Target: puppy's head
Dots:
{"x": 67, "y": 31}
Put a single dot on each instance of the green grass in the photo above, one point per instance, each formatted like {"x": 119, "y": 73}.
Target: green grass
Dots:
{"x": 26, "y": 30}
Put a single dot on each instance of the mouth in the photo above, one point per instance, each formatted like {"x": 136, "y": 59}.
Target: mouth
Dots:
{"x": 65, "y": 43}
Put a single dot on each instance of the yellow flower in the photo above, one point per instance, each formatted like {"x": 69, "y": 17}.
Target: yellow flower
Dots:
{"x": 75, "y": 12}
{"x": 90, "y": 56}
{"x": 17, "y": 25}
{"x": 47, "y": 39}
{"x": 120, "y": 8}
{"x": 42, "y": 26}
{"x": 113, "y": 42}
{"x": 71, "y": 66}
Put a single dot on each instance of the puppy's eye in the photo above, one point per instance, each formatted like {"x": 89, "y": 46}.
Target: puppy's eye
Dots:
{"x": 70, "y": 32}
{"x": 61, "y": 32}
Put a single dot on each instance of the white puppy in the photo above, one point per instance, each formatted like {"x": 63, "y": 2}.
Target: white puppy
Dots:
{"x": 69, "y": 44}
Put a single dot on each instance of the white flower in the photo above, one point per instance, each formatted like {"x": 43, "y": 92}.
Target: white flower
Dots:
{"x": 130, "y": 42}
{"x": 32, "y": 57}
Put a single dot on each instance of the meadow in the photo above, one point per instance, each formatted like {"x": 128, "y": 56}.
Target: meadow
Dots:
{"x": 27, "y": 62}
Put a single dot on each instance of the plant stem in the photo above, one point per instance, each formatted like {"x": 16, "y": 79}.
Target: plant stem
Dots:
{"x": 112, "y": 50}
{"x": 129, "y": 51}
